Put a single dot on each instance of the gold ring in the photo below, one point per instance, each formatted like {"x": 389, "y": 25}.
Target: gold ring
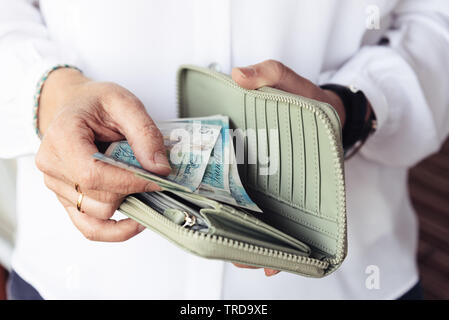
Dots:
{"x": 80, "y": 200}
{"x": 80, "y": 197}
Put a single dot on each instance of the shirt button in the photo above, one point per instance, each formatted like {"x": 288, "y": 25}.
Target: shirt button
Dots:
{"x": 215, "y": 66}
{"x": 353, "y": 88}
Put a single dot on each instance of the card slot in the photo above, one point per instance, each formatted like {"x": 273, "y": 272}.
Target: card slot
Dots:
{"x": 312, "y": 194}
{"x": 273, "y": 147}
{"x": 262, "y": 145}
{"x": 286, "y": 163}
{"x": 328, "y": 187}
{"x": 251, "y": 139}
{"x": 318, "y": 166}
{"x": 299, "y": 164}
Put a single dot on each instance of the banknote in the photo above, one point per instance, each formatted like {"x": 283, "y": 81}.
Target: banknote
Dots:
{"x": 221, "y": 180}
{"x": 237, "y": 195}
{"x": 216, "y": 176}
{"x": 238, "y": 192}
{"x": 138, "y": 171}
{"x": 188, "y": 145}
{"x": 202, "y": 157}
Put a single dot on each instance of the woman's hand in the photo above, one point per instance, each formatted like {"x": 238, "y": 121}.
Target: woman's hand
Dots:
{"x": 272, "y": 73}
{"x": 76, "y": 112}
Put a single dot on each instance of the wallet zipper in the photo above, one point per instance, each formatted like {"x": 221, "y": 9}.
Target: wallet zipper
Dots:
{"x": 271, "y": 93}
{"x": 135, "y": 204}
{"x": 291, "y": 99}
{"x": 191, "y": 218}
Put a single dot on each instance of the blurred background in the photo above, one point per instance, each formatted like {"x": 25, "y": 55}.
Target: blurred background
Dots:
{"x": 429, "y": 189}
{"x": 7, "y": 218}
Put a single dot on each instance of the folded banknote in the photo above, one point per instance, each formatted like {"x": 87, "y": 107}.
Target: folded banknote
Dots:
{"x": 201, "y": 154}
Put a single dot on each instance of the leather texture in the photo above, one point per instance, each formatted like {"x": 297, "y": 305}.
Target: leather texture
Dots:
{"x": 303, "y": 225}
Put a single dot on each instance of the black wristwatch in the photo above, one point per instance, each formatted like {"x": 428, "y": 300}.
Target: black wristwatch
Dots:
{"x": 356, "y": 129}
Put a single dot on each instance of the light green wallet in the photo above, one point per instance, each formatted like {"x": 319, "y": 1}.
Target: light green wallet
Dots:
{"x": 302, "y": 228}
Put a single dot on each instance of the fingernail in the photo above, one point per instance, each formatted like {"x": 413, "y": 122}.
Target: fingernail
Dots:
{"x": 140, "y": 228}
{"x": 271, "y": 272}
{"x": 161, "y": 159}
{"x": 247, "y": 72}
{"x": 151, "y": 187}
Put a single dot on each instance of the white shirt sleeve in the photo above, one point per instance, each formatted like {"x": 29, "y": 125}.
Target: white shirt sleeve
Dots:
{"x": 407, "y": 84}
{"x": 26, "y": 53}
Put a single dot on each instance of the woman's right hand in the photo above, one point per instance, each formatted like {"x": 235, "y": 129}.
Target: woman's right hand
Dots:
{"x": 74, "y": 113}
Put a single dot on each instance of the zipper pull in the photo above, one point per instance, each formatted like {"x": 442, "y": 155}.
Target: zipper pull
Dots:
{"x": 180, "y": 217}
{"x": 189, "y": 220}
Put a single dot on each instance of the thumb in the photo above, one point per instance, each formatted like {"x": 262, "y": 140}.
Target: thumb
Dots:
{"x": 144, "y": 138}
{"x": 272, "y": 73}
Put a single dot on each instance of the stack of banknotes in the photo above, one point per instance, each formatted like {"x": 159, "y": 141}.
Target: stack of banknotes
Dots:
{"x": 202, "y": 158}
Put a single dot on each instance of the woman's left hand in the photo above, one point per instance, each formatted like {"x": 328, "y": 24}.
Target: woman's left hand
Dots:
{"x": 272, "y": 73}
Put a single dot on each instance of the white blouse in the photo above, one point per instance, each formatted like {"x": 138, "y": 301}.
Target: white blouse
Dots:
{"x": 139, "y": 44}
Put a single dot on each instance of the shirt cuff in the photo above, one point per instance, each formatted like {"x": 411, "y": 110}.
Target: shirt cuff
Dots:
{"x": 22, "y": 108}
{"x": 362, "y": 72}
